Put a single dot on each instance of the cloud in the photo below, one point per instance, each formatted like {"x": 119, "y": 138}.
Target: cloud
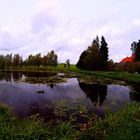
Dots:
{"x": 43, "y": 21}
{"x": 67, "y": 28}
{"x": 136, "y": 22}
{"x": 8, "y": 42}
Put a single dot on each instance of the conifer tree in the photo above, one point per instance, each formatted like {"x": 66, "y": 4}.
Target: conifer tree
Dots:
{"x": 104, "y": 49}
{"x": 95, "y": 57}
{"x": 137, "y": 52}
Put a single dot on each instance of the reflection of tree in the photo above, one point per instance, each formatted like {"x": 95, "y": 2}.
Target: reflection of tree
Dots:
{"x": 10, "y": 76}
{"x": 7, "y": 76}
{"x": 33, "y": 77}
{"x": 51, "y": 85}
{"x": 135, "y": 92}
{"x": 39, "y": 74}
{"x": 16, "y": 76}
{"x": 96, "y": 93}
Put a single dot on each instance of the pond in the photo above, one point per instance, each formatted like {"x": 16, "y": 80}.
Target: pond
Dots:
{"x": 61, "y": 99}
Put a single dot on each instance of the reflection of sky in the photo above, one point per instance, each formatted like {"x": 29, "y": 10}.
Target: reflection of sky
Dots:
{"x": 117, "y": 96}
{"x": 23, "y": 96}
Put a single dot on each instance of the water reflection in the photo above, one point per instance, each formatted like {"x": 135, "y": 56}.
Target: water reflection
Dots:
{"x": 51, "y": 86}
{"x": 16, "y": 76}
{"x": 30, "y": 98}
{"x": 135, "y": 92}
{"x": 96, "y": 93}
{"x": 11, "y": 76}
{"x": 31, "y": 77}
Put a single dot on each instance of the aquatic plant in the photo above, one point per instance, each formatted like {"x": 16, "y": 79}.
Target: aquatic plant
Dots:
{"x": 125, "y": 124}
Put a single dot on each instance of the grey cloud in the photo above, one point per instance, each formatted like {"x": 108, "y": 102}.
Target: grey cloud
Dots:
{"x": 8, "y": 42}
{"x": 43, "y": 20}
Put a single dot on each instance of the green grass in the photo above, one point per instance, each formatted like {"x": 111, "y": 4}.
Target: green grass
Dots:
{"x": 124, "y": 76}
{"x": 123, "y": 125}
{"x": 103, "y": 76}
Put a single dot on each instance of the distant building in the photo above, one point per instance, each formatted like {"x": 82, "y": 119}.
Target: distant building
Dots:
{"x": 128, "y": 59}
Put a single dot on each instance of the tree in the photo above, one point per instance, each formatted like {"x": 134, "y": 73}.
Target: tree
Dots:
{"x": 17, "y": 60}
{"x": 52, "y": 58}
{"x": 2, "y": 62}
{"x": 55, "y": 60}
{"x": 104, "y": 53}
{"x": 30, "y": 60}
{"x": 137, "y": 51}
{"x": 45, "y": 60}
{"x": 95, "y": 57}
{"x": 82, "y": 60}
{"x": 37, "y": 59}
{"x": 97, "y": 41}
{"x": 68, "y": 63}
{"x": 104, "y": 49}
{"x": 8, "y": 60}
{"x": 135, "y": 47}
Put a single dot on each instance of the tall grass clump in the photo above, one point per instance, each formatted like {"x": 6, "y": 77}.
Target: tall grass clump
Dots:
{"x": 122, "y": 125}
{"x": 13, "y": 129}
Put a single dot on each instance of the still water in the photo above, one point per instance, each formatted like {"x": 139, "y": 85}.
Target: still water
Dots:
{"x": 27, "y": 99}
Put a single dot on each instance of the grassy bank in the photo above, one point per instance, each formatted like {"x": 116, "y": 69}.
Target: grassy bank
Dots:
{"x": 125, "y": 124}
{"x": 123, "y": 76}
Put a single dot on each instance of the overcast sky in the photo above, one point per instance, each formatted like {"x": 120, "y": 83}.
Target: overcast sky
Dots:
{"x": 68, "y": 26}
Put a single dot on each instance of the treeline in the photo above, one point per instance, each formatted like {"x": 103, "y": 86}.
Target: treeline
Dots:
{"x": 9, "y": 60}
{"x": 95, "y": 57}
{"x": 133, "y": 66}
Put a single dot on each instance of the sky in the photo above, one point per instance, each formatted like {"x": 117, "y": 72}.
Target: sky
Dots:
{"x": 68, "y": 26}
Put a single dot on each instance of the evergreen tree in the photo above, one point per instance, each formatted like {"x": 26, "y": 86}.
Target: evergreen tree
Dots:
{"x": 95, "y": 57}
{"x": 135, "y": 48}
{"x": 137, "y": 52}
{"x": 104, "y": 49}
{"x": 97, "y": 41}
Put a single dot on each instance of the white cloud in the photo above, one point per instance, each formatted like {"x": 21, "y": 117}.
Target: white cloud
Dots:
{"x": 136, "y": 22}
{"x": 68, "y": 27}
